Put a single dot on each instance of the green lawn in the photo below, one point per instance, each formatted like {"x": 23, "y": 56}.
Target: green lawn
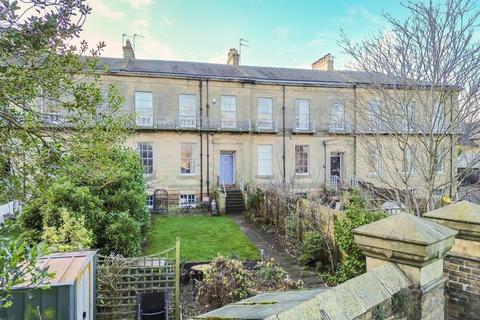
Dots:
{"x": 201, "y": 237}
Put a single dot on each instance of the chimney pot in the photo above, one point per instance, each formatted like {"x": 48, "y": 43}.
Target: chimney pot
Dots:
{"x": 324, "y": 63}
{"x": 233, "y": 57}
{"x": 128, "y": 52}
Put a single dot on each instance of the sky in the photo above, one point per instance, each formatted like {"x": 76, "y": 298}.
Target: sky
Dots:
{"x": 281, "y": 33}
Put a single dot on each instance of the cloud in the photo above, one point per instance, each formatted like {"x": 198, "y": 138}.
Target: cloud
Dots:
{"x": 138, "y": 4}
{"x": 218, "y": 58}
{"x": 303, "y": 66}
{"x": 102, "y": 9}
{"x": 151, "y": 48}
{"x": 365, "y": 14}
{"x": 319, "y": 38}
{"x": 140, "y": 24}
{"x": 165, "y": 20}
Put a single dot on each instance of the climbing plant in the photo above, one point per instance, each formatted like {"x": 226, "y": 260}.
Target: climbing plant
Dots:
{"x": 356, "y": 214}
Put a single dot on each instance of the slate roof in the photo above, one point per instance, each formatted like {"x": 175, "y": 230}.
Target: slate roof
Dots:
{"x": 230, "y": 72}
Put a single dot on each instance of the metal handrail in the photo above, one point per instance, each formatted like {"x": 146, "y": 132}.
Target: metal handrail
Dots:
{"x": 224, "y": 189}
{"x": 223, "y": 185}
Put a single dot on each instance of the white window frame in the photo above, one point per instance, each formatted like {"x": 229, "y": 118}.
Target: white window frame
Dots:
{"x": 146, "y": 167}
{"x": 144, "y": 108}
{"x": 193, "y": 159}
{"x": 375, "y": 164}
{"x": 438, "y": 117}
{"x": 150, "y": 201}
{"x": 265, "y": 119}
{"x": 437, "y": 193}
{"x": 302, "y": 120}
{"x": 187, "y": 110}
{"x": 337, "y": 116}
{"x": 307, "y": 159}
{"x": 439, "y": 167}
{"x": 231, "y": 121}
{"x": 409, "y": 117}
{"x": 373, "y": 114}
{"x": 187, "y": 200}
{"x": 408, "y": 161}
{"x": 265, "y": 157}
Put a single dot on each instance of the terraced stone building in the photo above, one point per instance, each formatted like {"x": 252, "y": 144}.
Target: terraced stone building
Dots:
{"x": 200, "y": 126}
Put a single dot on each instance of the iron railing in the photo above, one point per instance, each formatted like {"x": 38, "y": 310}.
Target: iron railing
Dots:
{"x": 304, "y": 126}
{"x": 266, "y": 126}
{"x": 340, "y": 127}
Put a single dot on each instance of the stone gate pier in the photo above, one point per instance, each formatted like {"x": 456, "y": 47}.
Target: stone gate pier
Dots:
{"x": 462, "y": 263}
{"x": 417, "y": 247}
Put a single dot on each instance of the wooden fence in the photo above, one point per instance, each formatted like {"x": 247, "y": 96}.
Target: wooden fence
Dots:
{"x": 290, "y": 216}
{"x": 120, "y": 279}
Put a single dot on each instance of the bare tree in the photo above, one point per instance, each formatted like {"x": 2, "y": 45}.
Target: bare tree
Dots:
{"x": 421, "y": 87}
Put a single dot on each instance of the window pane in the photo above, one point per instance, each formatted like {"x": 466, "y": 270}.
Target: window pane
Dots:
{"x": 187, "y": 158}
{"x": 264, "y": 155}
{"x": 186, "y": 104}
{"x": 301, "y": 159}
{"x": 145, "y": 150}
{"x": 144, "y": 107}
{"x": 264, "y": 106}
{"x": 438, "y": 117}
{"x": 337, "y": 113}
{"x": 228, "y": 111}
{"x": 187, "y": 200}
{"x": 374, "y": 107}
{"x": 302, "y": 114}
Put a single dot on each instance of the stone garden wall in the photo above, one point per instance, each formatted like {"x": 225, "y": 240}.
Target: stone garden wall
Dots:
{"x": 463, "y": 287}
{"x": 462, "y": 263}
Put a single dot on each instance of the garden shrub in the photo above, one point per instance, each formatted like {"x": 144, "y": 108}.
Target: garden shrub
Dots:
{"x": 355, "y": 215}
{"x": 106, "y": 195}
{"x": 291, "y": 226}
{"x": 228, "y": 281}
{"x": 225, "y": 282}
{"x": 269, "y": 277}
{"x": 70, "y": 235}
{"x": 314, "y": 254}
{"x": 123, "y": 235}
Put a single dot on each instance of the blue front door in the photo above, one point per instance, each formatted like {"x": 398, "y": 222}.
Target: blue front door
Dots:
{"x": 226, "y": 168}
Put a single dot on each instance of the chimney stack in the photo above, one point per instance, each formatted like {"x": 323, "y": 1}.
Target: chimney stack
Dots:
{"x": 128, "y": 52}
{"x": 233, "y": 57}
{"x": 324, "y": 63}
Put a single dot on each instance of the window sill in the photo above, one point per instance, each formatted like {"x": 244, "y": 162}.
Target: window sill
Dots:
{"x": 187, "y": 175}
{"x": 302, "y": 175}
{"x": 264, "y": 177}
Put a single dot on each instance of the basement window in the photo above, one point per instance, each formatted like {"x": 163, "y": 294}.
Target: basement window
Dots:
{"x": 150, "y": 201}
{"x": 187, "y": 200}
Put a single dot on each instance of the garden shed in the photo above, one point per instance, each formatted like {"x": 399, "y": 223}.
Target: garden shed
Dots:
{"x": 71, "y": 295}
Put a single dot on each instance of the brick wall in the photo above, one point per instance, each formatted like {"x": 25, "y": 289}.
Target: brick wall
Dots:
{"x": 463, "y": 287}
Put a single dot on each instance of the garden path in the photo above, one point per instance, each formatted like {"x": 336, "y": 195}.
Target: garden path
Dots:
{"x": 272, "y": 249}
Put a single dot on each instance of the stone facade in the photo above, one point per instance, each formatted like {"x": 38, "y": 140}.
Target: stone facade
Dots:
{"x": 323, "y": 137}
